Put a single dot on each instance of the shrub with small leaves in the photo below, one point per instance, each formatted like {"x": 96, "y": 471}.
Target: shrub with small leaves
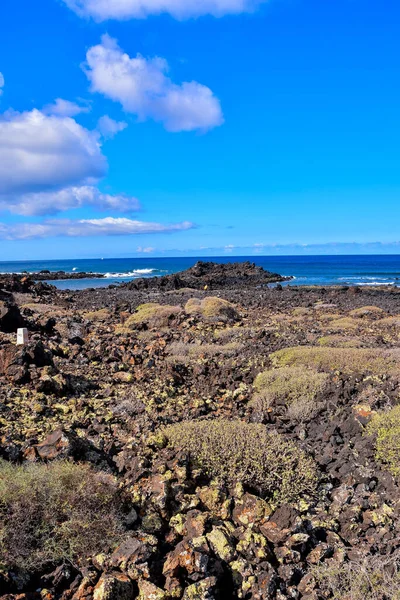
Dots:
{"x": 367, "y": 311}
{"x": 235, "y": 451}
{"x": 288, "y": 384}
{"x": 347, "y": 360}
{"x": 54, "y": 512}
{"x": 150, "y": 315}
{"x": 212, "y": 308}
{"x": 386, "y": 429}
{"x": 374, "y": 578}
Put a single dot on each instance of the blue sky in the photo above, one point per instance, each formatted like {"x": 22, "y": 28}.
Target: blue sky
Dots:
{"x": 248, "y": 127}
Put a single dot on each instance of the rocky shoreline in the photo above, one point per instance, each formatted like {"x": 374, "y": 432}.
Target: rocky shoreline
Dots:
{"x": 240, "y": 436}
{"x": 46, "y": 275}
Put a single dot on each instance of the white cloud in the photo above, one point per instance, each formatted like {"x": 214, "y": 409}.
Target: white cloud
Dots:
{"x": 101, "y": 10}
{"x": 143, "y": 88}
{"x": 147, "y": 250}
{"x": 1, "y": 83}
{"x": 65, "y": 108}
{"x": 40, "y": 152}
{"x": 52, "y": 202}
{"x": 109, "y": 128}
{"x": 86, "y": 228}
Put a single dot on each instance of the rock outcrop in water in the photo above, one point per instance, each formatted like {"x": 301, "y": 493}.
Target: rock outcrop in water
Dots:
{"x": 212, "y": 276}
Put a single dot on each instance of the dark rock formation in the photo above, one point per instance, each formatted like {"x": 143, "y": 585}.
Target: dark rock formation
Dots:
{"x": 210, "y": 275}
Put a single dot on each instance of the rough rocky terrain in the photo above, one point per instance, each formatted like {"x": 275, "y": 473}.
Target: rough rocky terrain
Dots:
{"x": 290, "y": 491}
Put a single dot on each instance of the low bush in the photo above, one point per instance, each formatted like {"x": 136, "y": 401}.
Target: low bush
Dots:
{"x": 392, "y": 321}
{"x": 294, "y": 387}
{"x": 343, "y": 324}
{"x": 232, "y": 451}
{"x": 212, "y": 308}
{"x": 347, "y": 360}
{"x": 103, "y": 314}
{"x": 180, "y": 350}
{"x": 367, "y": 311}
{"x": 340, "y": 341}
{"x": 49, "y": 513}
{"x": 373, "y": 578}
{"x": 386, "y": 429}
{"x": 234, "y": 332}
{"x": 151, "y": 315}
{"x": 302, "y": 311}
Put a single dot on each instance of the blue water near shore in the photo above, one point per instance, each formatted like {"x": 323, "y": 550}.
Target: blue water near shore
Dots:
{"x": 362, "y": 270}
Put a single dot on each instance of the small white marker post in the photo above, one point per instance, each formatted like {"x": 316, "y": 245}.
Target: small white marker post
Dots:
{"x": 22, "y": 336}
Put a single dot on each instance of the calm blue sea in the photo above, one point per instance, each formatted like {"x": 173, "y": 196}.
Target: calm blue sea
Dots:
{"x": 307, "y": 270}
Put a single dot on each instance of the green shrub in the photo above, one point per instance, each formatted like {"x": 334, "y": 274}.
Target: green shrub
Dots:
{"x": 49, "y": 513}
{"x": 233, "y": 451}
{"x": 347, "y": 360}
{"x": 386, "y": 429}
{"x": 290, "y": 386}
{"x": 367, "y": 311}
{"x": 180, "y": 350}
{"x": 212, "y": 308}
{"x": 392, "y": 321}
{"x": 343, "y": 324}
{"x": 373, "y": 578}
{"x": 340, "y": 341}
{"x": 151, "y": 315}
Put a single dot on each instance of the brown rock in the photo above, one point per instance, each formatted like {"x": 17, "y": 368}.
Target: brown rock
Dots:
{"x": 184, "y": 557}
{"x": 113, "y": 586}
{"x": 320, "y": 553}
{"x": 273, "y": 533}
{"x": 250, "y": 509}
{"x": 202, "y": 590}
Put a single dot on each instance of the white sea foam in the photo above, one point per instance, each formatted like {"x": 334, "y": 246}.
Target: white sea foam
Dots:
{"x": 134, "y": 273}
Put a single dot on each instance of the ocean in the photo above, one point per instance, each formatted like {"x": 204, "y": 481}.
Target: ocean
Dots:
{"x": 360, "y": 270}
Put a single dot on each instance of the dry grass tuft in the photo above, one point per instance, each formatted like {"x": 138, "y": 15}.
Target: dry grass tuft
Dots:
{"x": 367, "y": 311}
{"x": 340, "y": 341}
{"x": 386, "y": 429}
{"x": 295, "y": 387}
{"x": 393, "y": 321}
{"x": 374, "y": 578}
{"x": 151, "y": 315}
{"x": 347, "y": 360}
{"x": 49, "y": 513}
{"x": 212, "y": 308}
{"x": 179, "y": 351}
{"x": 102, "y": 314}
{"x": 302, "y": 311}
{"x": 344, "y": 324}
{"x": 233, "y": 451}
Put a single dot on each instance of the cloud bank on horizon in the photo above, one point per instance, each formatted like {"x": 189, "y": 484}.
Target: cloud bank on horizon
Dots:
{"x": 87, "y": 228}
{"x": 142, "y": 87}
{"x": 103, "y": 10}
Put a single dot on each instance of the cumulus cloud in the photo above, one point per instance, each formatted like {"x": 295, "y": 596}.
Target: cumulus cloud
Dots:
{"x": 86, "y": 228}
{"x": 53, "y": 202}
{"x": 41, "y": 152}
{"x": 101, "y": 10}
{"x": 1, "y": 83}
{"x": 65, "y": 108}
{"x": 109, "y": 128}
{"x": 147, "y": 250}
{"x": 143, "y": 88}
